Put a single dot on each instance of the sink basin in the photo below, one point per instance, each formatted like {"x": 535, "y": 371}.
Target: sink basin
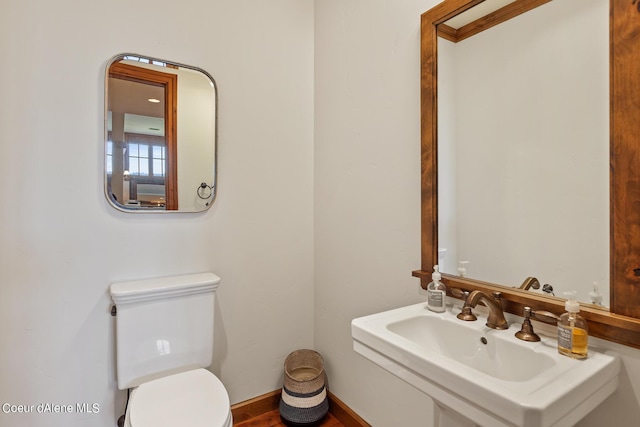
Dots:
{"x": 499, "y": 358}
{"x": 486, "y": 377}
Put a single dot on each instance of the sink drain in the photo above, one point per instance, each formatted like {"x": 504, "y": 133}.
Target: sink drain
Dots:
{"x": 483, "y": 340}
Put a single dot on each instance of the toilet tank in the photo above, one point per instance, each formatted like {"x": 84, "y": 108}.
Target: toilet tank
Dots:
{"x": 163, "y": 326}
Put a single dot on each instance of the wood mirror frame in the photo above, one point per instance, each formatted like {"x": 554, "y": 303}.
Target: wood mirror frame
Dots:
{"x": 622, "y": 323}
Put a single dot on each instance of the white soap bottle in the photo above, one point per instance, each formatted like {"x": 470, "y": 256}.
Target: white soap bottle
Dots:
{"x": 595, "y": 295}
{"x": 462, "y": 268}
{"x": 436, "y": 292}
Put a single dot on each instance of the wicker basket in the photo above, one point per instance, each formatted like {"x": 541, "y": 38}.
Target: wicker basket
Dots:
{"x": 304, "y": 395}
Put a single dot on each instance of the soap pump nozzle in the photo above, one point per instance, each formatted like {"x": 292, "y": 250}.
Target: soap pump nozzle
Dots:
{"x": 571, "y": 305}
{"x": 436, "y": 276}
{"x": 462, "y": 269}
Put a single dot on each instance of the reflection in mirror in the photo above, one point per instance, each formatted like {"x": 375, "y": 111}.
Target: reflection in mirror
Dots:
{"x": 160, "y": 135}
{"x": 622, "y": 323}
{"x": 523, "y": 150}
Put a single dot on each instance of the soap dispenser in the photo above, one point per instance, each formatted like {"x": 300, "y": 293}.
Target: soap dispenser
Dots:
{"x": 573, "y": 339}
{"x": 462, "y": 268}
{"x": 595, "y": 295}
{"x": 436, "y": 292}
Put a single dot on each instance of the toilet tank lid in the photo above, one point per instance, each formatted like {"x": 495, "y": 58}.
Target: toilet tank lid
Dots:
{"x": 163, "y": 287}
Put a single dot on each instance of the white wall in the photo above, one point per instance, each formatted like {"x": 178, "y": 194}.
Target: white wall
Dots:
{"x": 62, "y": 244}
{"x": 367, "y": 191}
{"x": 367, "y": 195}
{"x": 196, "y": 107}
{"x": 447, "y": 163}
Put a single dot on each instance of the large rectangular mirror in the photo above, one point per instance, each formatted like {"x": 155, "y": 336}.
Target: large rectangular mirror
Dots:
{"x": 610, "y": 205}
{"x": 160, "y": 135}
{"x": 523, "y": 150}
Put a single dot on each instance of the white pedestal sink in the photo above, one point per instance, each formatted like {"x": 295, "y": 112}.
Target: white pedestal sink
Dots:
{"x": 484, "y": 377}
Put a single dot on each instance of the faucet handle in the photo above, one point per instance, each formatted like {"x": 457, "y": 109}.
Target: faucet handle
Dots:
{"x": 526, "y": 332}
{"x": 545, "y": 316}
{"x": 466, "y": 314}
{"x": 458, "y": 293}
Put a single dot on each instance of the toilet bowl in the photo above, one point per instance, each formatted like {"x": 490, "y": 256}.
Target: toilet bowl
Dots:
{"x": 194, "y": 398}
{"x": 164, "y": 335}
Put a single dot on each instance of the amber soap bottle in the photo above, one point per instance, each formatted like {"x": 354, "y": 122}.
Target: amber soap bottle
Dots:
{"x": 573, "y": 337}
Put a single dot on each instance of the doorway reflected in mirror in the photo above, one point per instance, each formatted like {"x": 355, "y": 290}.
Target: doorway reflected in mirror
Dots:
{"x": 160, "y": 135}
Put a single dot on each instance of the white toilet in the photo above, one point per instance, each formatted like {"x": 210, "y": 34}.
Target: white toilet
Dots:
{"x": 164, "y": 340}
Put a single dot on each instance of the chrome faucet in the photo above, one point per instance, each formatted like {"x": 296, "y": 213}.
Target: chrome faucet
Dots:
{"x": 530, "y": 282}
{"x": 496, "y": 318}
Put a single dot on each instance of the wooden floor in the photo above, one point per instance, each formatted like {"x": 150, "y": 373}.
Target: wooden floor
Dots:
{"x": 272, "y": 419}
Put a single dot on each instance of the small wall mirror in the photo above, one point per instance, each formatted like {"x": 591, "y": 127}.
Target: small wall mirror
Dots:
{"x": 160, "y": 135}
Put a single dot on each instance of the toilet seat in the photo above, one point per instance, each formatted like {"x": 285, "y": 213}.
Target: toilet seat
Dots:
{"x": 194, "y": 398}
